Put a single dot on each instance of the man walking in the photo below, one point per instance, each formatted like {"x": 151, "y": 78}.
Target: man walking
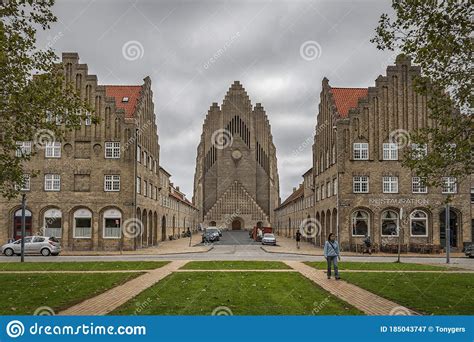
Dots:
{"x": 298, "y": 239}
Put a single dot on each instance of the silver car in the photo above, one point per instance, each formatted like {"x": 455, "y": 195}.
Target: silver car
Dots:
{"x": 269, "y": 239}
{"x": 43, "y": 245}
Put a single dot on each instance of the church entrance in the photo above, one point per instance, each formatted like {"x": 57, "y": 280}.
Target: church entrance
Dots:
{"x": 236, "y": 224}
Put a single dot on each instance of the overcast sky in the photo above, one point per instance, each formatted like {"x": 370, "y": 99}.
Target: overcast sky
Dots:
{"x": 194, "y": 50}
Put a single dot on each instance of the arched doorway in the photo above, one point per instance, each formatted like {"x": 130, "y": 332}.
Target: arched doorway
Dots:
{"x": 236, "y": 224}
{"x": 163, "y": 228}
{"x": 453, "y": 227}
{"x": 17, "y": 224}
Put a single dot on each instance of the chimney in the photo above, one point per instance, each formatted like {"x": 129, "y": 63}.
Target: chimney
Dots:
{"x": 177, "y": 188}
{"x": 294, "y": 189}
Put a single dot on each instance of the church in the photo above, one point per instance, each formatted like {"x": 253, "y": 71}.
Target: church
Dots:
{"x": 236, "y": 183}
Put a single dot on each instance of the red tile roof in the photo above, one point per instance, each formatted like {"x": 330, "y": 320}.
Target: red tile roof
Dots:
{"x": 121, "y": 91}
{"x": 347, "y": 98}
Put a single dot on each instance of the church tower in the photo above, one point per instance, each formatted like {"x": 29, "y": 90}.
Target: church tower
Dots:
{"x": 236, "y": 183}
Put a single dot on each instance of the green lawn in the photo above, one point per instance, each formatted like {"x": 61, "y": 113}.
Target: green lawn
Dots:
{"x": 81, "y": 266}
{"x": 235, "y": 265}
{"x": 251, "y": 293}
{"x": 386, "y": 266}
{"x": 427, "y": 293}
{"x": 22, "y": 294}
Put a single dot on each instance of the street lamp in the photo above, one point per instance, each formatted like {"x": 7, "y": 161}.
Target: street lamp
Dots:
{"x": 23, "y": 226}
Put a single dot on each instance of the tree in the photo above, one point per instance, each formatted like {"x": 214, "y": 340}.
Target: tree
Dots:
{"x": 437, "y": 35}
{"x": 33, "y": 93}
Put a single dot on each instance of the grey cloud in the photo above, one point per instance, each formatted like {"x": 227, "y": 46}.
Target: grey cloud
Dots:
{"x": 256, "y": 42}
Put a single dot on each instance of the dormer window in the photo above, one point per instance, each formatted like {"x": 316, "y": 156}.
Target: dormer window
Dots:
{"x": 125, "y": 99}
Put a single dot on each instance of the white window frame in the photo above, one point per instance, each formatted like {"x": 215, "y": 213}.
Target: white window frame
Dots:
{"x": 85, "y": 214}
{"x": 328, "y": 189}
{"x": 334, "y": 186}
{"x": 390, "y": 184}
{"x": 112, "y": 150}
{"x": 361, "y": 151}
{"x": 360, "y": 181}
{"x": 449, "y": 186}
{"x": 88, "y": 120}
{"x": 353, "y": 219}
{"x": 52, "y": 150}
{"x": 112, "y": 214}
{"x": 382, "y": 219}
{"x": 26, "y": 186}
{"x": 23, "y": 148}
{"x": 390, "y": 151}
{"x": 139, "y": 154}
{"x": 52, "y": 214}
{"x": 138, "y": 182}
{"x": 420, "y": 150}
{"x": 145, "y": 188}
{"x": 111, "y": 183}
{"x": 425, "y": 219}
{"x": 417, "y": 187}
{"x": 52, "y": 182}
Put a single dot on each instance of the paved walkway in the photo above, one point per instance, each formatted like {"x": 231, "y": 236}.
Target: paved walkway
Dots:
{"x": 366, "y": 301}
{"x": 113, "y": 298}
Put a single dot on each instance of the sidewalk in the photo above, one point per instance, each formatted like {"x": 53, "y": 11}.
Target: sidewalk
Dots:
{"x": 288, "y": 246}
{"x": 113, "y": 298}
{"x": 366, "y": 301}
{"x": 180, "y": 246}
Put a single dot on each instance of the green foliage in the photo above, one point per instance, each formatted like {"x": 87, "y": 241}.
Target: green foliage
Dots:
{"x": 32, "y": 89}
{"x": 437, "y": 35}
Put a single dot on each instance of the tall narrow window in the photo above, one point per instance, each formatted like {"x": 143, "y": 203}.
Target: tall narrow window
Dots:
{"x": 112, "y": 183}
{"x": 449, "y": 185}
{"x": 53, "y": 150}
{"x": 52, "y": 182}
{"x": 390, "y": 223}
{"x": 360, "y": 184}
{"x": 112, "y": 149}
{"x": 390, "y": 151}
{"x": 417, "y": 186}
{"x": 390, "y": 184}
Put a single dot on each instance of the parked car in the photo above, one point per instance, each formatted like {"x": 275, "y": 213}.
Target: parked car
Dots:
{"x": 44, "y": 245}
{"x": 469, "y": 251}
{"x": 269, "y": 239}
{"x": 210, "y": 234}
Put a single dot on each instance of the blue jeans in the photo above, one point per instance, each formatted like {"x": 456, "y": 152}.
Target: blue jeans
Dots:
{"x": 332, "y": 260}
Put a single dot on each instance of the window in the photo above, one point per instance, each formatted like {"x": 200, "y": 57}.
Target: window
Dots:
{"x": 112, "y": 183}
{"x": 145, "y": 158}
{"x": 318, "y": 194}
{"x": 328, "y": 189}
{"x": 472, "y": 195}
{"x": 390, "y": 223}
{"x": 150, "y": 190}
{"x": 125, "y": 99}
{"x": 23, "y": 148}
{"x": 419, "y": 150}
{"x": 112, "y": 224}
{"x": 112, "y": 150}
{"x": 390, "y": 184}
{"x": 419, "y": 223}
{"x": 449, "y": 185}
{"x": 361, "y": 151}
{"x": 53, "y": 150}
{"x": 82, "y": 224}
{"x": 150, "y": 163}
{"x": 361, "y": 184}
{"x": 334, "y": 186}
{"x": 139, "y": 154}
{"x": 417, "y": 186}
{"x": 145, "y": 188}
{"x": 390, "y": 151}
{"x": 88, "y": 119}
{"x": 360, "y": 223}
{"x": 25, "y": 186}
{"x": 52, "y": 223}
{"x": 323, "y": 191}
{"x": 139, "y": 185}
{"x": 334, "y": 154}
{"x": 52, "y": 182}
